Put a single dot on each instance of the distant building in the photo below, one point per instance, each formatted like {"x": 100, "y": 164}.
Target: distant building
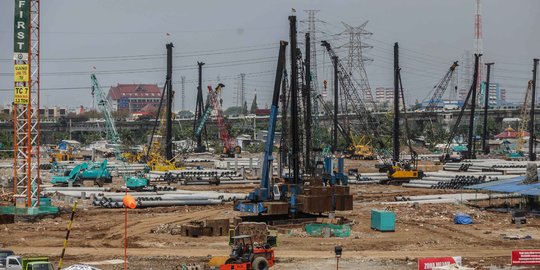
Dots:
{"x": 497, "y": 95}
{"x": 44, "y": 112}
{"x": 384, "y": 95}
{"x": 462, "y": 94}
{"x": 133, "y": 97}
{"x": 262, "y": 112}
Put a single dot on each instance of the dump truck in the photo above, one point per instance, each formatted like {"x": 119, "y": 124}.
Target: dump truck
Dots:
{"x": 35, "y": 263}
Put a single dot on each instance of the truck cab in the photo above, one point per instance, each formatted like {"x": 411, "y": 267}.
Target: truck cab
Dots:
{"x": 18, "y": 263}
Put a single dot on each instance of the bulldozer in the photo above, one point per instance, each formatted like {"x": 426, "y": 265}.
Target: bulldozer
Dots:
{"x": 245, "y": 255}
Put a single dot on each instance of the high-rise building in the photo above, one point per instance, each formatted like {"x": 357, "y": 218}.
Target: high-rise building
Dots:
{"x": 384, "y": 95}
{"x": 497, "y": 96}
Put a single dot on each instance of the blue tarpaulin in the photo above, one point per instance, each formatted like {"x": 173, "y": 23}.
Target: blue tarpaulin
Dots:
{"x": 463, "y": 219}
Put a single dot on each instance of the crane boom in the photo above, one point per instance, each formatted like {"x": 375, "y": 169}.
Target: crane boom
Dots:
{"x": 440, "y": 88}
{"x": 524, "y": 118}
{"x": 105, "y": 108}
{"x": 367, "y": 121}
{"x": 208, "y": 109}
{"x": 330, "y": 113}
{"x": 263, "y": 192}
{"x": 216, "y": 105}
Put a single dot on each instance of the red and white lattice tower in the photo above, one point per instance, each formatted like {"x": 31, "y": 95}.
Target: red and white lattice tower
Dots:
{"x": 26, "y": 105}
{"x": 478, "y": 44}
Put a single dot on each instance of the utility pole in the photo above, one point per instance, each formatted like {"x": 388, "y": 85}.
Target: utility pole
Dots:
{"x": 168, "y": 116}
{"x": 336, "y": 100}
{"x": 485, "y": 146}
{"x": 294, "y": 102}
{"x": 395, "y": 132}
{"x": 199, "y": 108}
{"x": 470, "y": 142}
{"x": 242, "y": 91}
{"x": 307, "y": 98}
{"x": 183, "y": 79}
{"x": 532, "y": 137}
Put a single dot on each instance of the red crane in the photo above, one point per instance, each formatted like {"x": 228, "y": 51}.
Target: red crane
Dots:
{"x": 229, "y": 148}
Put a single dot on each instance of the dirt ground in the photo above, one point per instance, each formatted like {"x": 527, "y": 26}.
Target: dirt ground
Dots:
{"x": 421, "y": 231}
{"x": 424, "y": 230}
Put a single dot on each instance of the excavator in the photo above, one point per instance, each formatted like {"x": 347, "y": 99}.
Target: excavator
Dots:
{"x": 85, "y": 171}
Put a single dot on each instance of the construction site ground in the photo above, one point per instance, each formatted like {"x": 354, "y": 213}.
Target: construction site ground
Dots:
{"x": 422, "y": 230}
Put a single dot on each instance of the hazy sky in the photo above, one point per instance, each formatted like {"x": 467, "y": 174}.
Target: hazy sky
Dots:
{"x": 125, "y": 41}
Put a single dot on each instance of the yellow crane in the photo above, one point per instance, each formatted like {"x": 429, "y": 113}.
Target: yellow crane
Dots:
{"x": 524, "y": 119}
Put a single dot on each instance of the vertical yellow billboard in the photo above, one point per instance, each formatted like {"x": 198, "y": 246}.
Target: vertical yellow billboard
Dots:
{"x": 21, "y": 69}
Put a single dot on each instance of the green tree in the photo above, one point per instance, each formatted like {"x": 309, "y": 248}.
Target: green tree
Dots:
{"x": 120, "y": 115}
{"x": 235, "y": 110}
{"x": 254, "y": 106}
{"x": 244, "y": 109}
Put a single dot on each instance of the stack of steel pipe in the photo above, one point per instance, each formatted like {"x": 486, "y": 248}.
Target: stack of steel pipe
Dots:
{"x": 450, "y": 198}
{"x": 199, "y": 160}
{"x": 157, "y": 200}
{"x": 504, "y": 166}
{"x": 460, "y": 182}
{"x": 445, "y": 179}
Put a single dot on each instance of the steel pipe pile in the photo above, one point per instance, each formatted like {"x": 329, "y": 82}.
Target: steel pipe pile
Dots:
{"x": 445, "y": 198}
{"x": 447, "y": 181}
{"x": 182, "y": 197}
{"x": 460, "y": 182}
{"x": 154, "y": 201}
{"x": 504, "y": 166}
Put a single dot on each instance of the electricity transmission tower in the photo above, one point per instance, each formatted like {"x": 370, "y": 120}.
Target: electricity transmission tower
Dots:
{"x": 356, "y": 60}
{"x": 183, "y": 79}
{"x": 314, "y": 45}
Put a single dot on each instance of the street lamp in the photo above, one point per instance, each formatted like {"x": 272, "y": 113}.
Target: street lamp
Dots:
{"x": 338, "y": 250}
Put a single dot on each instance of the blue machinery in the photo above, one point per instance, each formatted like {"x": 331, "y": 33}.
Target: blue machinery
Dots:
{"x": 290, "y": 198}
{"x": 263, "y": 193}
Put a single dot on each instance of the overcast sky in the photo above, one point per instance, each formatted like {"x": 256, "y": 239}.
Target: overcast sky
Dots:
{"x": 125, "y": 41}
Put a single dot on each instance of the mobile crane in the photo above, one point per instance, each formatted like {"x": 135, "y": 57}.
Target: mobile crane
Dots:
{"x": 266, "y": 191}
{"x": 105, "y": 107}
{"x": 441, "y": 87}
{"x": 213, "y": 105}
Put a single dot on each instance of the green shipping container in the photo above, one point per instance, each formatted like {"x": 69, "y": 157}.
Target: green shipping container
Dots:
{"x": 384, "y": 221}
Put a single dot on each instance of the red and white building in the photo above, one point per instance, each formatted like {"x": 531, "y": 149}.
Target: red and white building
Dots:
{"x": 134, "y": 97}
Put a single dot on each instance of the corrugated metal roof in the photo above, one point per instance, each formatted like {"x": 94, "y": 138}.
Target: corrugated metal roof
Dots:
{"x": 517, "y": 179}
{"x": 531, "y": 192}
{"x": 514, "y": 185}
